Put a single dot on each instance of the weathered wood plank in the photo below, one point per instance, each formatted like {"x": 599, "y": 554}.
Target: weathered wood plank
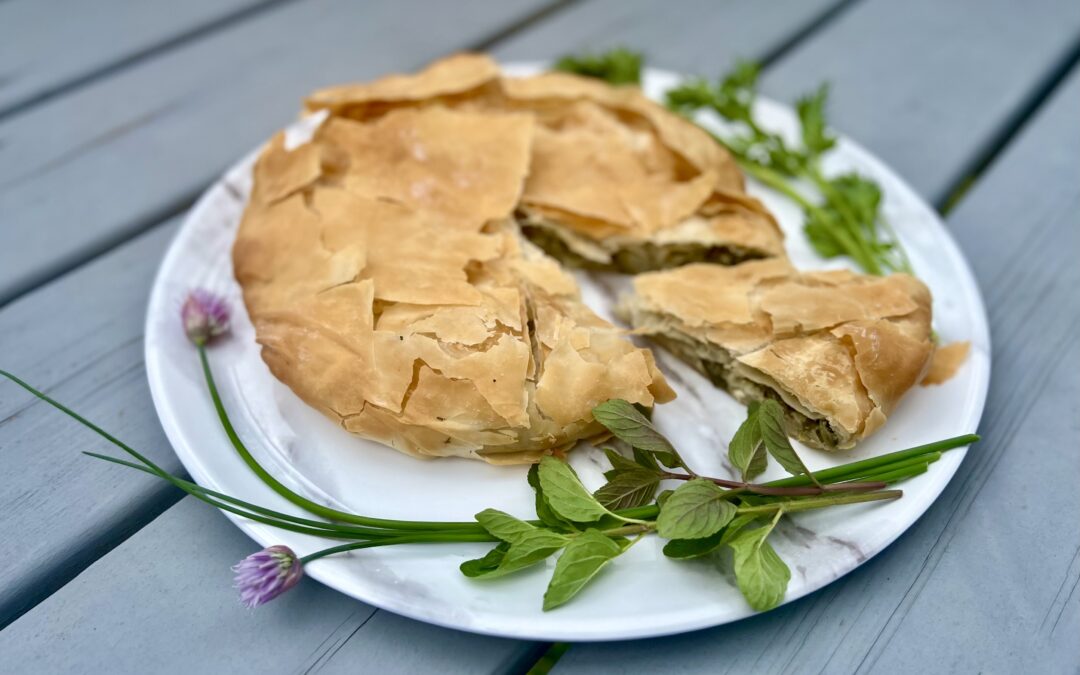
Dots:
{"x": 696, "y": 36}
{"x": 81, "y": 340}
{"x": 46, "y": 45}
{"x": 927, "y": 85}
{"x": 987, "y": 580}
{"x": 82, "y": 172}
{"x": 161, "y": 603}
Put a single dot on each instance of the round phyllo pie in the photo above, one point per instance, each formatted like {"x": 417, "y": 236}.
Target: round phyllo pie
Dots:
{"x": 390, "y": 288}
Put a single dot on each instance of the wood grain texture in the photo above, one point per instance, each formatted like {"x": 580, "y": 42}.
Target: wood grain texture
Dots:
{"x": 928, "y": 85}
{"x": 987, "y": 580}
{"x": 161, "y": 603}
{"x": 47, "y": 45}
{"x": 85, "y": 171}
{"x": 693, "y": 36}
{"x": 79, "y": 339}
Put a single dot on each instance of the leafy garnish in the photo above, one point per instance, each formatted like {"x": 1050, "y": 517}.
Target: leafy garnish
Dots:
{"x": 616, "y": 66}
{"x": 770, "y": 417}
{"x": 848, "y": 220}
{"x": 746, "y": 452}
{"x": 566, "y": 495}
{"x": 629, "y": 488}
{"x": 578, "y": 564}
{"x": 544, "y": 511}
{"x": 696, "y": 509}
{"x": 623, "y": 419}
{"x": 761, "y": 574}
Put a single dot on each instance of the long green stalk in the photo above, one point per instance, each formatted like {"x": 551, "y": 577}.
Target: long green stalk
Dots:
{"x": 299, "y": 500}
{"x": 418, "y": 538}
{"x": 253, "y": 511}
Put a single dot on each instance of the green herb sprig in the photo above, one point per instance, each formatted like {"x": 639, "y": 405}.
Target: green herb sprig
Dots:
{"x": 617, "y": 66}
{"x": 590, "y": 530}
{"x": 847, "y": 221}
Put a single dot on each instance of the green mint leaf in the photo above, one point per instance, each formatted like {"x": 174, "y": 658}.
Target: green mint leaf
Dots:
{"x": 746, "y": 451}
{"x": 771, "y": 421}
{"x": 565, "y": 493}
{"x": 529, "y": 549}
{"x": 616, "y": 66}
{"x": 662, "y": 498}
{"x": 646, "y": 460}
{"x": 619, "y": 462}
{"x": 693, "y": 548}
{"x": 512, "y": 530}
{"x": 630, "y": 426}
{"x": 579, "y": 563}
{"x": 520, "y": 556}
{"x": 630, "y": 488}
{"x": 487, "y": 564}
{"x": 761, "y": 574}
{"x": 697, "y": 509}
{"x": 816, "y": 137}
{"x": 668, "y": 459}
{"x": 543, "y": 510}
{"x": 737, "y": 524}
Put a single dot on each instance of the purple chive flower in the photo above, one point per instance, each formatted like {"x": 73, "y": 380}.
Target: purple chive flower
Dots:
{"x": 263, "y": 576}
{"x": 205, "y": 316}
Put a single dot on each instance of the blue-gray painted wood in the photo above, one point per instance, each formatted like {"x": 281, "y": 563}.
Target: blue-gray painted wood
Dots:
{"x": 693, "y": 36}
{"x": 47, "y": 45}
{"x": 989, "y": 579}
{"x": 85, "y": 171}
{"x": 161, "y": 603}
{"x": 79, "y": 339}
{"x": 929, "y": 85}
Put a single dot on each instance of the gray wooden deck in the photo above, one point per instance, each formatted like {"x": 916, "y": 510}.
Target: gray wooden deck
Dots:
{"x": 115, "y": 115}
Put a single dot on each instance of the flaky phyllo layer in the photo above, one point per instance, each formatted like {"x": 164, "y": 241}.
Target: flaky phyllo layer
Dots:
{"x": 614, "y": 181}
{"x": 390, "y": 288}
{"x": 838, "y": 349}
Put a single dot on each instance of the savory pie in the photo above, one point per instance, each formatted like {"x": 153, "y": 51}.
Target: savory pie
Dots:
{"x": 837, "y": 349}
{"x": 390, "y": 289}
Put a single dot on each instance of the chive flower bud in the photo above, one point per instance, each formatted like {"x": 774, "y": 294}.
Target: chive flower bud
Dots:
{"x": 264, "y": 575}
{"x": 205, "y": 316}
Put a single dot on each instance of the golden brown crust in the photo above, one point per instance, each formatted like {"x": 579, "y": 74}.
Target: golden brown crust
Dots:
{"x": 947, "y": 360}
{"x": 836, "y": 346}
{"x": 454, "y": 77}
{"x": 388, "y": 289}
{"x": 616, "y": 181}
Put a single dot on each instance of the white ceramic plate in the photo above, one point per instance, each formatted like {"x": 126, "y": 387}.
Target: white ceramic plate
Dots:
{"x": 318, "y": 459}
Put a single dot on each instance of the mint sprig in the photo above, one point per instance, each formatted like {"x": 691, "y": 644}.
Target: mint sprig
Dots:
{"x": 701, "y": 516}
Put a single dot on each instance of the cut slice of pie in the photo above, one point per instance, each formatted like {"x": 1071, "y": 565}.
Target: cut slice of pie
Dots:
{"x": 838, "y": 350}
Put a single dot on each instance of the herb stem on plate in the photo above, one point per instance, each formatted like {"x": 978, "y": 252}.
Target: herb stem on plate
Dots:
{"x": 820, "y": 502}
{"x": 299, "y": 500}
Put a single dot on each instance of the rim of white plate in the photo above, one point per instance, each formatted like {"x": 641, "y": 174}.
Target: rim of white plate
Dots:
{"x": 156, "y": 367}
